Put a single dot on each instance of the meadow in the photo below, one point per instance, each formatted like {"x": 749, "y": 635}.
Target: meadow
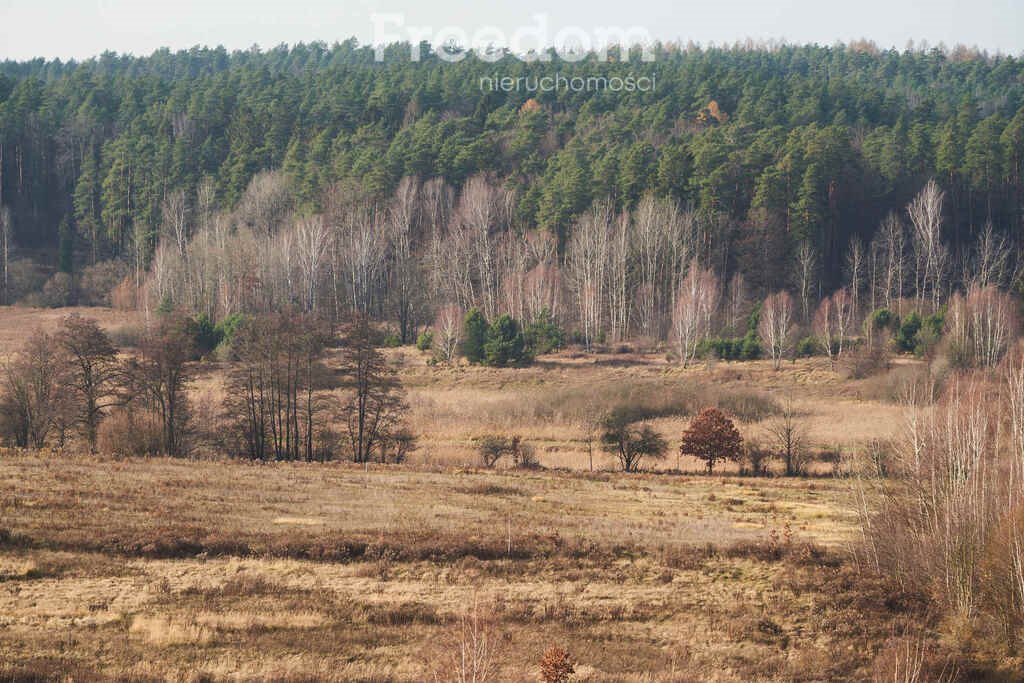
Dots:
{"x": 208, "y": 569}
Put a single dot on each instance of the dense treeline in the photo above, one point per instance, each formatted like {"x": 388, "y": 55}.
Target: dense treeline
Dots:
{"x": 773, "y": 148}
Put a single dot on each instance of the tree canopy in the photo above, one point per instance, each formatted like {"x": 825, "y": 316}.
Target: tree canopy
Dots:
{"x": 809, "y": 143}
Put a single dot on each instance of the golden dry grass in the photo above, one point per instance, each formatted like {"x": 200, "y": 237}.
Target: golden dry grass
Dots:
{"x": 18, "y": 322}
{"x": 206, "y": 569}
{"x": 453, "y": 406}
{"x": 172, "y": 568}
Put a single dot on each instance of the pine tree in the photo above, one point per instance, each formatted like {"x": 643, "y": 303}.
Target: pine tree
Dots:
{"x": 474, "y": 336}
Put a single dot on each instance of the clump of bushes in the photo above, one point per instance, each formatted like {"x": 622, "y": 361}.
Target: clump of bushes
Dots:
{"x": 210, "y": 336}
{"x": 391, "y": 339}
{"x": 748, "y": 405}
{"x": 755, "y": 458}
{"x": 543, "y": 335}
{"x": 913, "y": 333}
{"x": 131, "y": 433}
{"x": 918, "y": 335}
{"x": 425, "y": 341}
{"x": 807, "y": 347}
{"x": 747, "y": 347}
{"x": 494, "y": 447}
{"x": 502, "y": 343}
{"x": 59, "y": 291}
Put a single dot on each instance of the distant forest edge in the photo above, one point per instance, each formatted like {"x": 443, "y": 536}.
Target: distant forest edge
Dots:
{"x": 778, "y": 158}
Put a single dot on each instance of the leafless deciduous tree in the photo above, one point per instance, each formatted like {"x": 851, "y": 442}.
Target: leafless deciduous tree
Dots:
{"x": 889, "y": 263}
{"x": 775, "y": 326}
{"x": 471, "y": 651}
{"x": 855, "y": 265}
{"x": 930, "y": 254}
{"x": 94, "y": 374}
{"x": 586, "y": 263}
{"x": 174, "y": 214}
{"x": 737, "y": 304}
{"x": 619, "y": 285}
{"x": 360, "y": 256}
{"x": 448, "y": 328}
{"x": 543, "y": 283}
{"x": 159, "y": 375}
{"x": 833, "y": 323}
{"x": 990, "y": 260}
{"x": 980, "y": 326}
{"x": 1012, "y": 579}
{"x": 483, "y": 215}
{"x": 273, "y": 404}
{"x": 806, "y": 278}
{"x": 789, "y": 435}
{"x": 404, "y": 282}
{"x": 33, "y": 396}
{"x": 664, "y": 241}
{"x": 945, "y": 459}
{"x": 311, "y": 243}
{"x": 695, "y": 305}
{"x": 266, "y": 202}
{"x": 376, "y": 408}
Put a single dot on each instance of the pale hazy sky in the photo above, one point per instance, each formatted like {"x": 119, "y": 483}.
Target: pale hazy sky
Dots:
{"x": 84, "y": 28}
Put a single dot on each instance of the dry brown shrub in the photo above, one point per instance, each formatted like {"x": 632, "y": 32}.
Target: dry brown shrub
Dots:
{"x": 912, "y": 659}
{"x": 555, "y": 666}
{"x": 866, "y": 360}
{"x": 124, "y": 297}
{"x": 97, "y": 283}
{"x": 130, "y": 433}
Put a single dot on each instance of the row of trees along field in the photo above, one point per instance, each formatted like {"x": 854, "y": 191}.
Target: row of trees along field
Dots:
{"x": 336, "y": 181}
{"x": 280, "y": 401}
{"x": 426, "y": 258}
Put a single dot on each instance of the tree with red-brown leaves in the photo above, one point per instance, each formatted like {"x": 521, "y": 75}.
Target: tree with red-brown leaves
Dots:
{"x": 712, "y": 437}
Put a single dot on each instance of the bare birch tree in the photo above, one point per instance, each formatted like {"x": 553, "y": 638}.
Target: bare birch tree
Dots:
{"x": 543, "y": 284}
{"x": 833, "y": 322}
{"x": 266, "y": 202}
{"x": 404, "y": 281}
{"x": 361, "y": 253}
{"x": 586, "y": 261}
{"x": 931, "y": 255}
{"x": 483, "y": 213}
{"x": 775, "y": 326}
{"x": 737, "y": 303}
{"x": 806, "y": 278}
{"x": 695, "y": 304}
{"x": 174, "y": 215}
{"x": 980, "y": 326}
{"x": 990, "y": 260}
{"x": 619, "y": 287}
{"x": 855, "y": 266}
{"x": 311, "y": 245}
{"x": 448, "y": 328}
{"x": 889, "y": 251}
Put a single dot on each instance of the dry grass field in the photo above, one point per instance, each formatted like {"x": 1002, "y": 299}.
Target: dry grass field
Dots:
{"x": 183, "y": 570}
{"x": 158, "y": 569}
